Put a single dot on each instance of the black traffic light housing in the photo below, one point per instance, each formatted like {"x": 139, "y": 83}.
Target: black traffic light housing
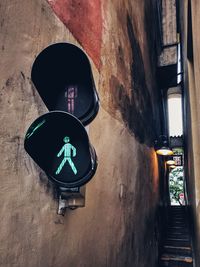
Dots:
{"x": 57, "y": 141}
{"x": 62, "y": 76}
{"x": 59, "y": 144}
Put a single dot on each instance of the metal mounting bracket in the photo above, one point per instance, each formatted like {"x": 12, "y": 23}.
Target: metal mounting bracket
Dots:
{"x": 71, "y": 198}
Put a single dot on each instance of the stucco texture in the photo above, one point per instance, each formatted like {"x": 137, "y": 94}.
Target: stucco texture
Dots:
{"x": 117, "y": 227}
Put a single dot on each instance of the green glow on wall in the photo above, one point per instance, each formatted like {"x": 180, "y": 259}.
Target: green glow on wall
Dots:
{"x": 69, "y": 151}
{"x": 35, "y": 128}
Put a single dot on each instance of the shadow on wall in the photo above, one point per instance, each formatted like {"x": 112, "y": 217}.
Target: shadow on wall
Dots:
{"x": 136, "y": 110}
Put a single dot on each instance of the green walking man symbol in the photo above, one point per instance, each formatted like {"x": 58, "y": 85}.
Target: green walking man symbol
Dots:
{"x": 69, "y": 151}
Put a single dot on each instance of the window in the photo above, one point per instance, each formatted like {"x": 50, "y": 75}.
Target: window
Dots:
{"x": 175, "y": 122}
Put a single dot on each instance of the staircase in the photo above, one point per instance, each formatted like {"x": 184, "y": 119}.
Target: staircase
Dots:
{"x": 176, "y": 250}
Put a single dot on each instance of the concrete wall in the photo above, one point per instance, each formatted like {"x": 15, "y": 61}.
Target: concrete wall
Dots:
{"x": 118, "y": 225}
{"x": 190, "y": 17}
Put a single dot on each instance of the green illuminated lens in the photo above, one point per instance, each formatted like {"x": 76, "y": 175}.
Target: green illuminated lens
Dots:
{"x": 28, "y": 135}
{"x": 69, "y": 151}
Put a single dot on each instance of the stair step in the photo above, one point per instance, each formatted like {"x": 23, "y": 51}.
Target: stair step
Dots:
{"x": 177, "y": 247}
{"x": 177, "y": 239}
{"x": 175, "y": 264}
{"x": 173, "y": 221}
{"x": 178, "y": 213}
{"x": 170, "y": 257}
{"x": 178, "y": 229}
{"x": 183, "y": 219}
{"x": 178, "y": 219}
{"x": 177, "y": 207}
{"x": 178, "y": 223}
{"x": 178, "y": 232}
{"x": 177, "y": 216}
{"x": 178, "y": 236}
{"x": 177, "y": 250}
{"x": 177, "y": 243}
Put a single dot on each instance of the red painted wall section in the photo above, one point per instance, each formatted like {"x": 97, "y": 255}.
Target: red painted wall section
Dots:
{"x": 84, "y": 20}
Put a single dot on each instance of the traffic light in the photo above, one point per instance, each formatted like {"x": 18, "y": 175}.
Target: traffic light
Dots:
{"x": 57, "y": 141}
{"x": 62, "y": 76}
{"x": 59, "y": 144}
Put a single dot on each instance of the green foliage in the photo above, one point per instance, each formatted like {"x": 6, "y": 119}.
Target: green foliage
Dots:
{"x": 176, "y": 184}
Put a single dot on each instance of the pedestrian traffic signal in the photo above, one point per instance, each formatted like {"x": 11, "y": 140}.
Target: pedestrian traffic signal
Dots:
{"x": 58, "y": 142}
{"x": 62, "y": 75}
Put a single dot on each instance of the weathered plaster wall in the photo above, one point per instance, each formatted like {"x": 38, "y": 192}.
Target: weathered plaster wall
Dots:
{"x": 84, "y": 20}
{"x": 118, "y": 225}
{"x": 190, "y": 15}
